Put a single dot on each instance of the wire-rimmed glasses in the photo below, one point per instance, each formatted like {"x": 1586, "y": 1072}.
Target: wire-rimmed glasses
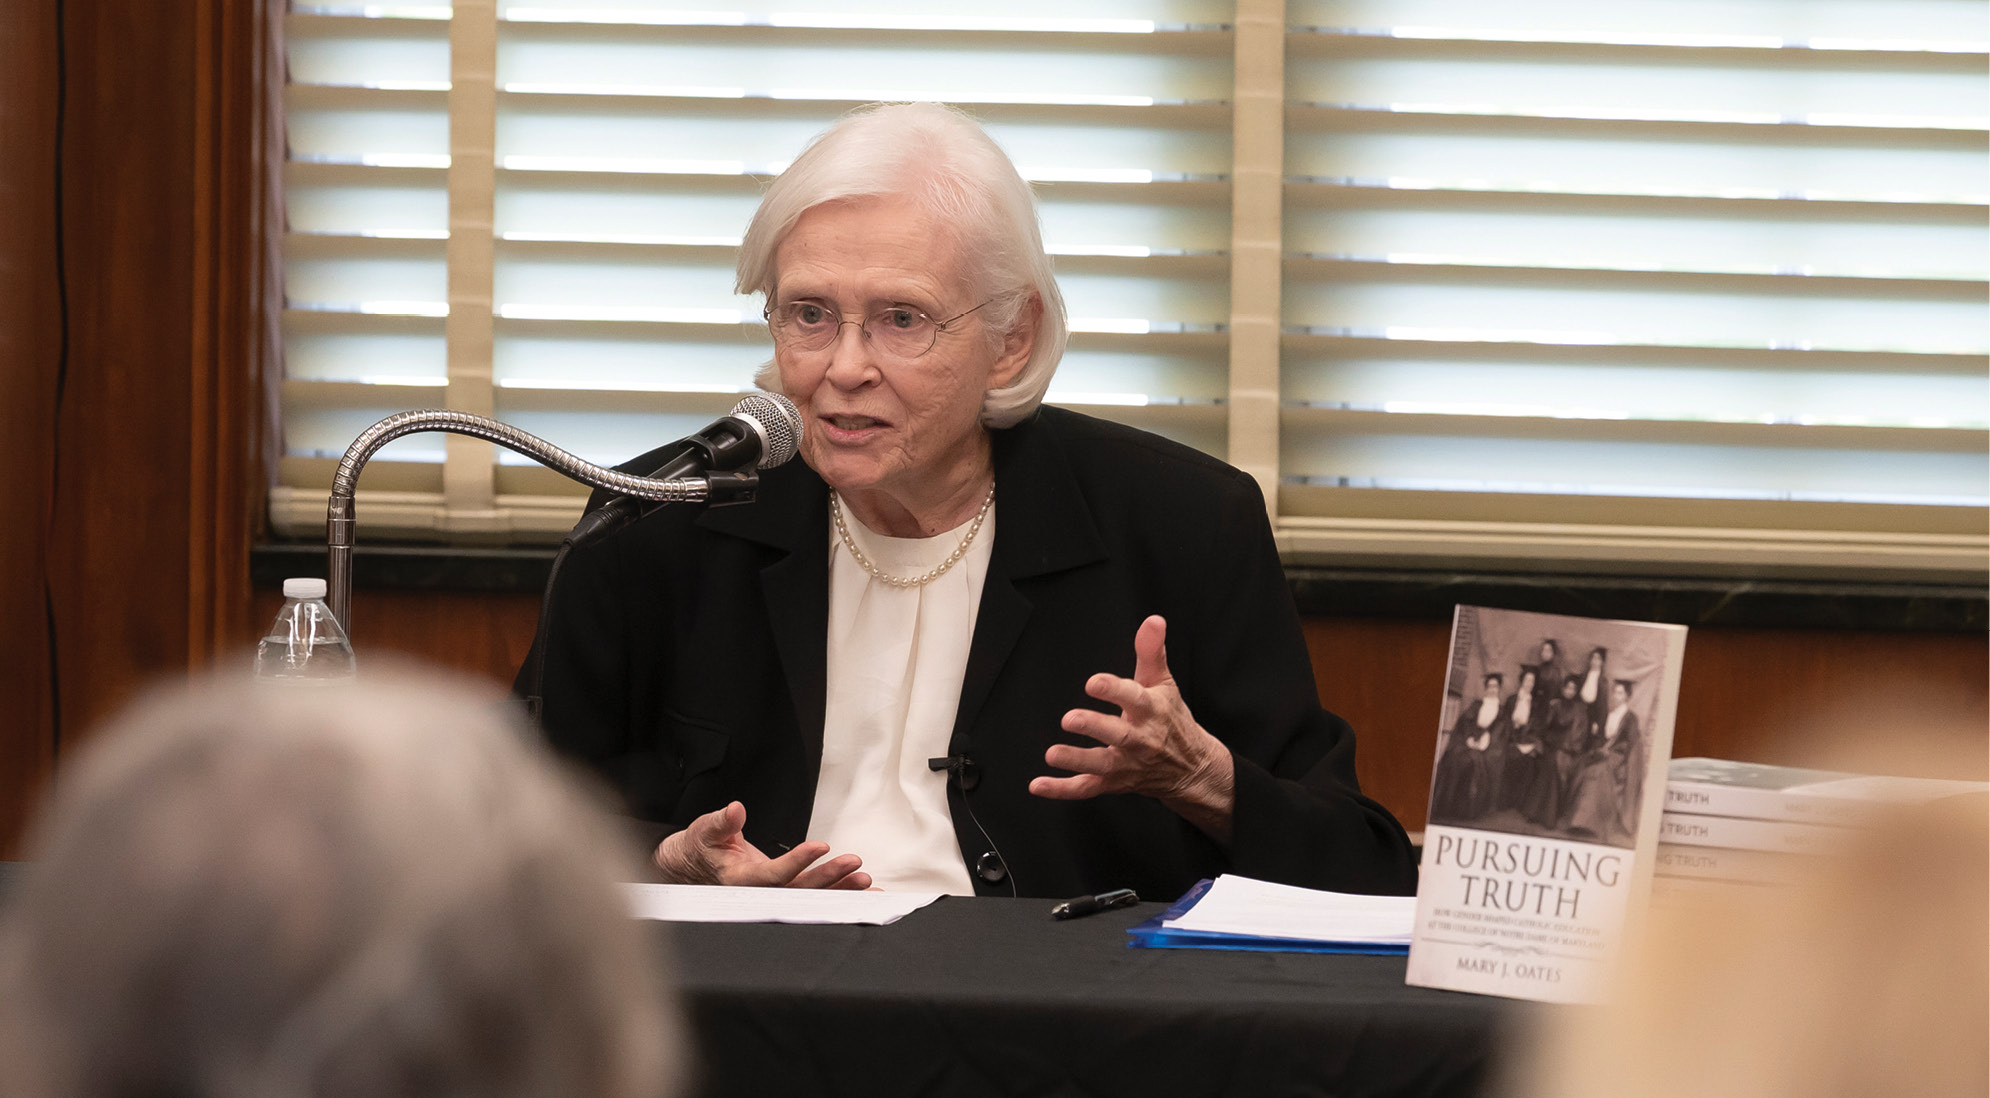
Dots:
{"x": 896, "y": 330}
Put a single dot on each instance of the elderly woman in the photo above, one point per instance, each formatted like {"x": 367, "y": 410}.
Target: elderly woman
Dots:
{"x": 967, "y": 643}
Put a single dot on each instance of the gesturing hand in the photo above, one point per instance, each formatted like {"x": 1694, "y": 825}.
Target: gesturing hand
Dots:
{"x": 714, "y": 851}
{"x": 1154, "y": 747}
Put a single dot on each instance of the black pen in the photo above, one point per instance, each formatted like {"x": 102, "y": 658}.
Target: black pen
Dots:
{"x": 1080, "y": 906}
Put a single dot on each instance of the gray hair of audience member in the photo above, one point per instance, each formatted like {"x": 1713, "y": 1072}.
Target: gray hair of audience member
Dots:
{"x": 377, "y": 890}
{"x": 941, "y": 159}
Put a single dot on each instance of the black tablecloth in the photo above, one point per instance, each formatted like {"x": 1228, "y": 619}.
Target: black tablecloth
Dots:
{"x": 974, "y": 997}
{"x": 993, "y": 997}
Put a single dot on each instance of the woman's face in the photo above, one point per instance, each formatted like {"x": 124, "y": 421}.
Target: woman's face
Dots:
{"x": 1548, "y": 652}
{"x": 872, "y": 421}
{"x": 1527, "y": 683}
{"x": 1596, "y": 661}
{"x": 1569, "y": 687}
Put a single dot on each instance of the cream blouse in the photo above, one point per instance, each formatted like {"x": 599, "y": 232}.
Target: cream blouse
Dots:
{"x": 896, "y": 658}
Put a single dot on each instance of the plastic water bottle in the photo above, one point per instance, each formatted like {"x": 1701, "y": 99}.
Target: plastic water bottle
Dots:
{"x": 305, "y": 643}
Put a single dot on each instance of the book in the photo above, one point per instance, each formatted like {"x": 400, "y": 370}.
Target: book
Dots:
{"x": 1697, "y": 892}
{"x": 1735, "y": 832}
{"x": 1723, "y": 787}
{"x": 1241, "y": 913}
{"x": 1545, "y": 798}
{"x": 1727, "y": 863}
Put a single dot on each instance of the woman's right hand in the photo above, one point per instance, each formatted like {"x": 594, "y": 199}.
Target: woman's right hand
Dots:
{"x": 714, "y": 851}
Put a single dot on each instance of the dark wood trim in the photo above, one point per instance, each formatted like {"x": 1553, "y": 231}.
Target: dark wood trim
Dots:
{"x": 1738, "y": 601}
{"x": 146, "y": 302}
{"x": 232, "y": 355}
{"x": 1389, "y": 595}
{"x": 30, "y": 356}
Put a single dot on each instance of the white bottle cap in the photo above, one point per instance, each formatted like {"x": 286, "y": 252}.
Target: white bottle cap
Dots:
{"x": 304, "y": 589}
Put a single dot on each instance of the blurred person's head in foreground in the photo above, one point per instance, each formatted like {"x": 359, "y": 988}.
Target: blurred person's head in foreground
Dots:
{"x": 381, "y": 889}
{"x": 1867, "y": 977}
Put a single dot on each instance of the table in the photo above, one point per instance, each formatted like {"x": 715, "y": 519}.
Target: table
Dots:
{"x": 992, "y": 997}
{"x": 976, "y": 997}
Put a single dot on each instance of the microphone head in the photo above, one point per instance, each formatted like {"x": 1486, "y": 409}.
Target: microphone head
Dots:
{"x": 778, "y": 423}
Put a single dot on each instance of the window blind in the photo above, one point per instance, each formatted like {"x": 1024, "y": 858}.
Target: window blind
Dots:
{"x": 1657, "y": 284}
{"x": 630, "y": 145}
{"x": 366, "y": 274}
{"x": 1671, "y": 282}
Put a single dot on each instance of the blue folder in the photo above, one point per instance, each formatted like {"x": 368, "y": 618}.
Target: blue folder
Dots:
{"x": 1153, "y": 935}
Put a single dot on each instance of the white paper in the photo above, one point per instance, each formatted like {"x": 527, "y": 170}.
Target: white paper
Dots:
{"x": 1241, "y": 905}
{"x": 720, "y": 904}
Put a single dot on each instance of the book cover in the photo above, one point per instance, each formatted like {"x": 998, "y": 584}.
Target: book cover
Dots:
{"x": 1544, "y": 801}
{"x": 1737, "y": 833}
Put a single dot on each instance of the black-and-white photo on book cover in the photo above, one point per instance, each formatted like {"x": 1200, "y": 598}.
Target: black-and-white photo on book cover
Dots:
{"x": 1545, "y": 792}
{"x": 1546, "y": 735}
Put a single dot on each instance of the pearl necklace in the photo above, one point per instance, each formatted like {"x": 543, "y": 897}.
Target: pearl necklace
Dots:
{"x": 864, "y": 562}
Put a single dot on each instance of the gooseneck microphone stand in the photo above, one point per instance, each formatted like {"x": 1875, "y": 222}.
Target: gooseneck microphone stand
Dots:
{"x": 339, "y": 522}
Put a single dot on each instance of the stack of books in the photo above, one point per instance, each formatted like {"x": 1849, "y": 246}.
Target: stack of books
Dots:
{"x": 1734, "y": 823}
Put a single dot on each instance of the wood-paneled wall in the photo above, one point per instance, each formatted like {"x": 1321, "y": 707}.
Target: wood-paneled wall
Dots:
{"x": 1908, "y": 703}
{"x": 30, "y": 338}
{"x": 130, "y": 397}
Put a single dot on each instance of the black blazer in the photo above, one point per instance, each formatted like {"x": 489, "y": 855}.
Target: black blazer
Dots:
{"x": 687, "y": 661}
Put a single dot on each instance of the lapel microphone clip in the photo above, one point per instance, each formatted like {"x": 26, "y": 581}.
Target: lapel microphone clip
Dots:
{"x": 961, "y": 767}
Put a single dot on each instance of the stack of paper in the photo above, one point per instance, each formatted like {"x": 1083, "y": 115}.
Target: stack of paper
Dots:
{"x": 715, "y": 904}
{"x": 1240, "y": 913}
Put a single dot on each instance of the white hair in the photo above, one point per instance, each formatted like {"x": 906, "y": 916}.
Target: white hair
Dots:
{"x": 384, "y": 889}
{"x": 942, "y": 159}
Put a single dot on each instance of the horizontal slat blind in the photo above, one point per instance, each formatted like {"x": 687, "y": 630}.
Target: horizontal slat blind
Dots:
{"x": 1646, "y": 284}
{"x": 633, "y": 140}
{"x": 615, "y": 269}
{"x": 1601, "y": 264}
{"x": 366, "y": 280}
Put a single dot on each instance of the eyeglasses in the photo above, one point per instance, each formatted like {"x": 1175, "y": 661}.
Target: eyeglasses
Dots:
{"x": 895, "y": 330}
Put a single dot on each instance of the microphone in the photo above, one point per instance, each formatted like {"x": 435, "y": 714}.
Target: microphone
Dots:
{"x": 960, "y": 767}
{"x": 762, "y": 431}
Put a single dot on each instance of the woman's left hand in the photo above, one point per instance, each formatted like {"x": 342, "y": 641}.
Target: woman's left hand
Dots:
{"x": 1154, "y": 747}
